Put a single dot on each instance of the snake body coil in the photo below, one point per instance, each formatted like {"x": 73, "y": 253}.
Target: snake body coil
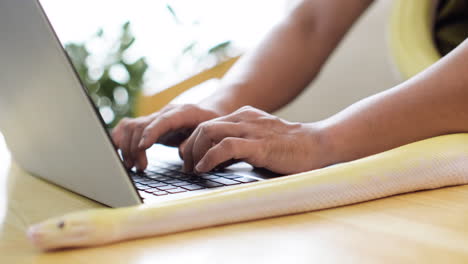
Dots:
{"x": 427, "y": 164}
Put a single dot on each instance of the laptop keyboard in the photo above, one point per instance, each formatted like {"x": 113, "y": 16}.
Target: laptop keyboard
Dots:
{"x": 165, "y": 179}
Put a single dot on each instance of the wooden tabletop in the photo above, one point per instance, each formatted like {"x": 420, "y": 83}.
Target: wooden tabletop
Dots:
{"x": 421, "y": 227}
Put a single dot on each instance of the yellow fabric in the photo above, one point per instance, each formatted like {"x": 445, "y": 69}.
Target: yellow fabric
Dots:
{"x": 411, "y": 36}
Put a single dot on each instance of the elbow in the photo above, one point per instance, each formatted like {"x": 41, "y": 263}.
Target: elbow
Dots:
{"x": 303, "y": 16}
{"x": 329, "y": 18}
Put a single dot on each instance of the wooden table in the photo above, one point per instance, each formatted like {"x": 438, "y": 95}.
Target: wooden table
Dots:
{"x": 421, "y": 227}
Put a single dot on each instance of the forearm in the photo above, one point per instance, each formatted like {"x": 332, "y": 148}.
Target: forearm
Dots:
{"x": 289, "y": 57}
{"x": 433, "y": 103}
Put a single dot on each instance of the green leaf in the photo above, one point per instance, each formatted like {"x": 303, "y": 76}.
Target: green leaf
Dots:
{"x": 126, "y": 26}
{"x": 189, "y": 47}
{"x": 219, "y": 47}
{"x": 100, "y": 33}
{"x": 173, "y": 13}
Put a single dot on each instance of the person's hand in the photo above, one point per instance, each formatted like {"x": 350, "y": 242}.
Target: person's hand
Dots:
{"x": 258, "y": 138}
{"x": 170, "y": 126}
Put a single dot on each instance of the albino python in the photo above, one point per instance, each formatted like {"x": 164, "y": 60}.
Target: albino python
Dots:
{"x": 427, "y": 164}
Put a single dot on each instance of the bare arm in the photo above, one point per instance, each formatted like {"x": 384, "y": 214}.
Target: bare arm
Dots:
{"x": 289, "y": 57}
{"x": 433, "y": 103}
{"x": 268, "y": 77}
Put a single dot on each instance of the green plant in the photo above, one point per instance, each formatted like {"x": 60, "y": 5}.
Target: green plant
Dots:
{"x": 114, "y": 98}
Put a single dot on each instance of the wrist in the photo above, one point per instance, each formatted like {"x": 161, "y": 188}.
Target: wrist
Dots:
{"x": 323, "y": 141}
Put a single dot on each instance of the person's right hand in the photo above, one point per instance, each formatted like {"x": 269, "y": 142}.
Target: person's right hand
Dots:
{"x": 169, "y": 126}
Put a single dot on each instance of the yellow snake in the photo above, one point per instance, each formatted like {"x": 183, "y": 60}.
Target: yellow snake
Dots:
{"x": 432, "y": 163}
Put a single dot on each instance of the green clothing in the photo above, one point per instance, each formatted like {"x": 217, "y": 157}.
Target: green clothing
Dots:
{"x": 451, "y": 27}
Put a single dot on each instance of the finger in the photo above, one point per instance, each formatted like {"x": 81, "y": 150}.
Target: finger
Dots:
{"x": 225, "y": 164}
{"x": 138, "y": 156}
{"x": 186, "y": 151}
{"x": 125, "y": 147}
{"x": 171, "y": 120}
{"x": 175, "y": 137}
{"x": 117, "y": 132}
{"x": 205, "y": 136}
{"x": 187, "y": 154}
{"x": 227, "y": 149}
{"x": 141, "y": 160}
{"x": 211, "y": 134}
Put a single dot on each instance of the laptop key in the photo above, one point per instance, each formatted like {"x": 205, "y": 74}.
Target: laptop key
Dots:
{"x": 192, "y": 187}
{"x": 146, "y": 181}
{"x": 151, "y": 190}
{"x": 232, "y": 176}
{"x": 167, "y": 187}
{"x": 182, "y": 183}
{"x": 157, "y": 184}
{"x": 177, "y": 190}
{"x": 161, "y": 178}
{"x": 173, "y": 181}
{"x": 225, "y": 174}
{"x": 156, "y": 177}
{"x": 159, "y": 193}
{"x": 245, "y": 179}
{"x": 173, "y": 174}
{"x": 180, "y": 176}
{"x": 142, "y": 187}
{"x": 225, "y": 181}
{"x": 175, "y": 167}
{"x": 210, "y": 184}
{"x": 208, "y": 176}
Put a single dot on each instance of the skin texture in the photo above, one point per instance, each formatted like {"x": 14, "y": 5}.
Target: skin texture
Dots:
{"x": 257, "y": 138}
{"x": 404, "y": 169}
{"x": 170, "y": 126}
{"x": 432, "y": 103}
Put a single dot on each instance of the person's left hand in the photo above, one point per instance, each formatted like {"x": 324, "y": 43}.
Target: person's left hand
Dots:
{"x": 258, "y": 138}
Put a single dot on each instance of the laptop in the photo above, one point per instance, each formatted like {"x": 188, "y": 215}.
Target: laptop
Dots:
{"x": 54, "y": 131}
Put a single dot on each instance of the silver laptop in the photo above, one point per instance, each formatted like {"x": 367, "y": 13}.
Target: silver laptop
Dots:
{"x": 54, "y": 132}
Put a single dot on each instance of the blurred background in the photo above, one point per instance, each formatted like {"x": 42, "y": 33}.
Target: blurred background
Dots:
{"x": 121, "y": 48}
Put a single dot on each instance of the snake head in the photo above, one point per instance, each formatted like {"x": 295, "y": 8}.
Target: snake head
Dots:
{"x": 72, "y": 230}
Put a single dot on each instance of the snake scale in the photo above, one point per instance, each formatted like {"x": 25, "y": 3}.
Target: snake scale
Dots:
{"x": 427, "y": 164}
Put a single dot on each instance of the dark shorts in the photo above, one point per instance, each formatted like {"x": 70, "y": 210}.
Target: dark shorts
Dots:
{"x": 451, "y": 27}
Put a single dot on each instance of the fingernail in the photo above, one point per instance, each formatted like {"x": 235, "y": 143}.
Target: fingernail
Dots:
{"x": 199, "y": 167}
